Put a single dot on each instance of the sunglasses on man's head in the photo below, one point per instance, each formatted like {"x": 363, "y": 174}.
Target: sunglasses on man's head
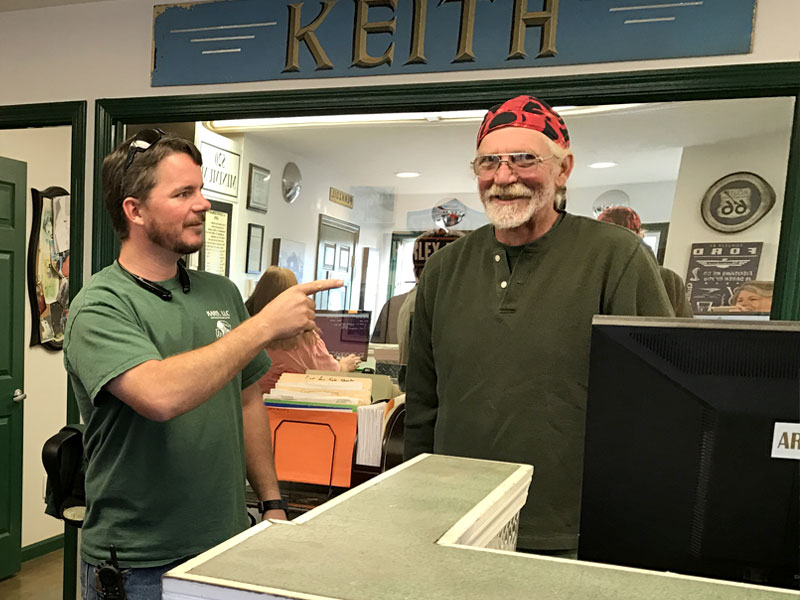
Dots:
{"x": 142, "y": 142}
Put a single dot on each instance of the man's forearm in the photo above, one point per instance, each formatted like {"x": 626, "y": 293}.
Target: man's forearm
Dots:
{"x": 163, "y": 389}
{"x": 258, "y": 446}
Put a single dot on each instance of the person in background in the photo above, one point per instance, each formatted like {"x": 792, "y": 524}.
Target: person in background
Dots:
{"x": 303, "y": 352}
{"x": 385, "y": 331}
{"x": 499, "y": 360}
{"x": 753, "y": 296}
{"x": 424, "y": 246}
{"x": 676, "y": 289}
{"x": 164, "y": 363}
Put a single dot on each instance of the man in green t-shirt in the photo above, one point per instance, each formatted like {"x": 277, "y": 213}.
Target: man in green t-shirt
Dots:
{"x": 164, "y": 364}
{"x": 499, "y": 358}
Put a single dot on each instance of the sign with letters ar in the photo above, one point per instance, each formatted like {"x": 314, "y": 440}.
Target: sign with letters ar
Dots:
{"x": 224, "y": 41}
{"x": 786, "y": 441}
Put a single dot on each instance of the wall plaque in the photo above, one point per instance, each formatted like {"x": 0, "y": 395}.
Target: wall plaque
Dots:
{"x": 340, "y": 197}
{"x": 736, "y": 202}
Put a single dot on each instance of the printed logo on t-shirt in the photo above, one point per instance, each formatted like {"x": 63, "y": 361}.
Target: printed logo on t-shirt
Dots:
{"x": 223, "y": 327}
{"x": 219, "y": 314}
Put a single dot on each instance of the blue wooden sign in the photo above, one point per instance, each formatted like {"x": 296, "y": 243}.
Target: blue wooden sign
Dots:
{"x": 257, "y": 40}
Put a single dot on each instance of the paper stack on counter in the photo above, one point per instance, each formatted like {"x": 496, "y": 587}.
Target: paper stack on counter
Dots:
{"x": 320, "y": 391}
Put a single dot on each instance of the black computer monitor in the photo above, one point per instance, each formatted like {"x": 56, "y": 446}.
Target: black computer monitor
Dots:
{"x": 345, "y": 331}
{"x": 679, "y": 473}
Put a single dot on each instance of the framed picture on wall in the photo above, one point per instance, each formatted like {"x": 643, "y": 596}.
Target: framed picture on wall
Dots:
{"x": 255, "y": 248}
{"x": 215, "y": 255}
{"x": 258, "y": 188}
{"x": 290, "y": 255}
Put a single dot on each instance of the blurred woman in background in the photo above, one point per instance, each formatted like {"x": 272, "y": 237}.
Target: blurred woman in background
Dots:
{"x": 753, "y": 296}
{"x": 303, "y": 352}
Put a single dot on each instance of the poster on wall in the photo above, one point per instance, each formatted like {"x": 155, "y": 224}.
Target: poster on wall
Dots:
{"x": 716, "y": 270}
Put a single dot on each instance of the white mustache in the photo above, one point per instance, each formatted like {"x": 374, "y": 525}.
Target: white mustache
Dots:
{"x": 510, "y": 191}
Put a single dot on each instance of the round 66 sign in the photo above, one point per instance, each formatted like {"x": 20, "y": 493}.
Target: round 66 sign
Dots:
{"x": 736, "y": 202}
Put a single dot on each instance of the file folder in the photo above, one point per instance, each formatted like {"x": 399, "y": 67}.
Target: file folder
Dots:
{"x": 313, "y": 446}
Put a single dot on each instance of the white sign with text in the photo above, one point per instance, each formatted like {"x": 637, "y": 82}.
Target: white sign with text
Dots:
{"x": 786, "y": 441}
{"x": 220, "y": 170}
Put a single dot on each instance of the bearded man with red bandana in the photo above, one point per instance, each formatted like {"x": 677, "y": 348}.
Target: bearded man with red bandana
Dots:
{"x": 499, "y": 357}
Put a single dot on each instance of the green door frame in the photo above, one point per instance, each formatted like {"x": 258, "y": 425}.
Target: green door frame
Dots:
{"x": 668, "y": 85}
{"x": 54, "y": 114}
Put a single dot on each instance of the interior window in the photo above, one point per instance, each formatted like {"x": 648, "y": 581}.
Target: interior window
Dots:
{"x": 705, "y": 177}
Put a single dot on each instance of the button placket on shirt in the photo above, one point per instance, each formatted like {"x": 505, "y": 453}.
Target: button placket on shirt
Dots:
{"x": 501, "y": 273}
{"x": 512, "y": 283}
{"x": 503, "y": 277}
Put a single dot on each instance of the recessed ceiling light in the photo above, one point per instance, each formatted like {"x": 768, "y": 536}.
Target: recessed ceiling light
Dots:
{"x": 407, "y": 174}
{"x": 602, "y": 165}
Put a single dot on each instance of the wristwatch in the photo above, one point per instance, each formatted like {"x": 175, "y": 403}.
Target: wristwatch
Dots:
{"x": 265, "y": 505}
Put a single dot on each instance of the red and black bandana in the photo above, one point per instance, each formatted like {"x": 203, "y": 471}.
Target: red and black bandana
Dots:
{"x": 529, "y": 112}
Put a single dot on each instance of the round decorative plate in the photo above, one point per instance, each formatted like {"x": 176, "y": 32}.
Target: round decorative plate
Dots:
{"x": 291, "y": 182}
{"x": 736, "y": 202}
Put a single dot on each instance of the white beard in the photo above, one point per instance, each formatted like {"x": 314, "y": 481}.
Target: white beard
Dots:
{"x": 517, "y": 214}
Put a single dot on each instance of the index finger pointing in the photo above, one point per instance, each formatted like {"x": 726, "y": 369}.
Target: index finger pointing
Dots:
{"x": 320, "y": 285}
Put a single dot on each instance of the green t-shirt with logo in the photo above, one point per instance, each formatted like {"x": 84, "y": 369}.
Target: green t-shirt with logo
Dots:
{"x": 158, "y": 491}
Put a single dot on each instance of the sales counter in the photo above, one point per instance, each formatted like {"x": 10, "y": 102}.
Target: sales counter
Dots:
{"x": 434, "y": 527}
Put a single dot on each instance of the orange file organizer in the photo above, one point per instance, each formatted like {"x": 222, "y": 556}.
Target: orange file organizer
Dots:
{"x": 313, "y": 446}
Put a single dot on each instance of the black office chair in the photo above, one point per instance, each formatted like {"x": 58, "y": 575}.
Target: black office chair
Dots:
{"x": 62, "y": 457}
{"x": 392, "y": 454}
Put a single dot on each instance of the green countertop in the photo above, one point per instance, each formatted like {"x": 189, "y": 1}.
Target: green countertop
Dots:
{"x": 378, "y": 542}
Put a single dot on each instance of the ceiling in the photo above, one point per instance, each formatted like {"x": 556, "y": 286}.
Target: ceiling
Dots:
{"x": 9, "y": 5}
{"x": 645, "y": 140}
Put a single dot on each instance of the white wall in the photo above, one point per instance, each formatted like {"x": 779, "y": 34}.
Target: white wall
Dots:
{"x": 701, "y": 166}
{"x": 374, "y": 209}
{"x": 413, "y": 202}
{"x": 297, "y": 221}
{"x": 652, "y": 201}
{"x": 47, "y": 153}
